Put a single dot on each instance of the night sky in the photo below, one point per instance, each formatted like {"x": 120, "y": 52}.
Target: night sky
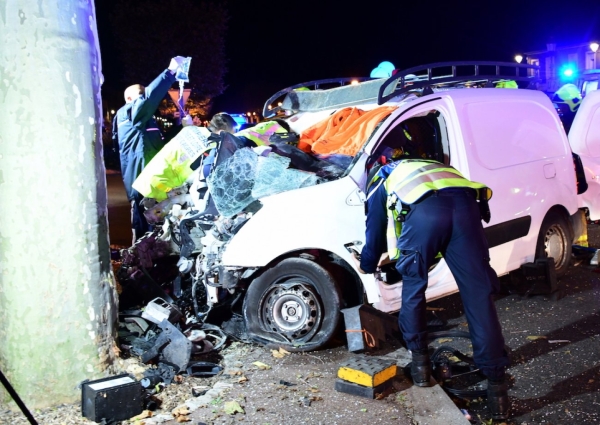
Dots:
{"x": 273, "y": 45}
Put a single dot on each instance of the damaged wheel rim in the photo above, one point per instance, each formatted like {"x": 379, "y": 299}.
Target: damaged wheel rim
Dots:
{"x": 291, "y": 309}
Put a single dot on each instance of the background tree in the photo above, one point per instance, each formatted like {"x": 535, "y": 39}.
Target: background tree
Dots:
{"x": 148, "y": 33}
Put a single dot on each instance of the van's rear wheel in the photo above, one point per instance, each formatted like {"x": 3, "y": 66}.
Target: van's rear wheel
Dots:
{"x": 294, "y": 305}
{"x": 555, "y": 241}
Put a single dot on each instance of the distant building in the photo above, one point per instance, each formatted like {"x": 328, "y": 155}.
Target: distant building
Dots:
{"x": 564, "y": 64}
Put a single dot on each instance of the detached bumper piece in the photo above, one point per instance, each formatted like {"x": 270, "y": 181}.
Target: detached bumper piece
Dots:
{"x": 112, "y": 399}
{"x": 366, "y": 376}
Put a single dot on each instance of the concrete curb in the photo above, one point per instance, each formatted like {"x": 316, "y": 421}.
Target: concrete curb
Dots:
{"x": 427, "y": 405}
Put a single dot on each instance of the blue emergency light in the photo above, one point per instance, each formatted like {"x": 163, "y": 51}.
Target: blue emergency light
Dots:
{"x": 568, "y": 71}
{"x": 240, "y": 119}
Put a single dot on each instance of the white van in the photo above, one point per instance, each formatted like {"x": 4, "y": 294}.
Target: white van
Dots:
{"x": 290, "y": 257}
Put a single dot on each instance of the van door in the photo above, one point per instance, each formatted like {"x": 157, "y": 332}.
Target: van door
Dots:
{"x": 584, "y": 138}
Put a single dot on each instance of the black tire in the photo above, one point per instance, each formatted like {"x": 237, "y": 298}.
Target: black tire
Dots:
{"x": 294, "y": 305}
{"x": 555, "y": 240}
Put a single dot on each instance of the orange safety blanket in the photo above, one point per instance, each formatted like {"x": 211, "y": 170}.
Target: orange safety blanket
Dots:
{"x": 344, "y": 132}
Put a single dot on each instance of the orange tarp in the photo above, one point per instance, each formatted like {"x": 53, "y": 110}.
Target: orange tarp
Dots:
{"x": 344, "y": 132}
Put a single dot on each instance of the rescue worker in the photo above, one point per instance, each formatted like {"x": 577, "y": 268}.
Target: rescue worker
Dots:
{"x": 139, "y": 137}
{"x": 567, "y": 100}
{"x": 506, "y": 84}
{"x": 439, "y": 213}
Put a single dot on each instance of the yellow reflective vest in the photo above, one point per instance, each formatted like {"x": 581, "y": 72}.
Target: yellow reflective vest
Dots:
{"x": 410, "y": 180}
{"x": 569, "y": 94}
{"x": 170, "y": 167}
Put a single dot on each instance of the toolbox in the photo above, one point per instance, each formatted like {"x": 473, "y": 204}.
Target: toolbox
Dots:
{"x": 111, "y": 399}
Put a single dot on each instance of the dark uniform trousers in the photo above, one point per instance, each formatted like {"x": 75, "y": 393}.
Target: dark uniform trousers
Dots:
{"x": 449, "y": 222}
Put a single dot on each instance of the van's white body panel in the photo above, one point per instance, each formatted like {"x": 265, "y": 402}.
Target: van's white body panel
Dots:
{"x": 584, "y": 137}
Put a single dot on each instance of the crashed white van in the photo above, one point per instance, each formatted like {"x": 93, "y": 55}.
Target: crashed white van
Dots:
{"x": 289, "y": 257}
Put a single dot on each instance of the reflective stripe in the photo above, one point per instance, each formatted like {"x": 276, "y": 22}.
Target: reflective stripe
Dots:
{"x": 428, "y": 167}
{"x": 431, "y": 180}
{"x": 393, "y": 231}
{"x": 412, "y": 179}
{"x": 153, "y": 129}
{"x": 372, "y": 191}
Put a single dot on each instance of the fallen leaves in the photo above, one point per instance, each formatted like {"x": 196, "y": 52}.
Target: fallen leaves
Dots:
{"x": 145, "y": 414}
{"x": 261, "y": 365}
{"x": 536, "y": 337}
{"x": 181, "y": 414}
{"x": 232, "y": 407}
{"x": 281, "y": 353}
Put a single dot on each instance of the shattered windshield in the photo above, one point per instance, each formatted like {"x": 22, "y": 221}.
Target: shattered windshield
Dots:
{"x": 248, "y": 176}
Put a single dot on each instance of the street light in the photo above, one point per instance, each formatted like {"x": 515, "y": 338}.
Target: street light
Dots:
{"x": 518, "y": 58}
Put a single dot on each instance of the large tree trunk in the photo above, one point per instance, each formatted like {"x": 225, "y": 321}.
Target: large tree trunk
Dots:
{"x": 57, "y": 293}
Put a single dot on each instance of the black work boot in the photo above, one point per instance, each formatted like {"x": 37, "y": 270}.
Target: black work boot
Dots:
{"x": 497, "y": 395}
{"x": 420, "y": 369}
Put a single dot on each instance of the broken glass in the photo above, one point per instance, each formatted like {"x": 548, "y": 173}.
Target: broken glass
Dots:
{"x": 246, "y": 177}
{"x": 273, "y": 176}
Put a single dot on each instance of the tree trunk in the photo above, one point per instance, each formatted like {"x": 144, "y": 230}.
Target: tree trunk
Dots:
{"x": 58, "y": 304}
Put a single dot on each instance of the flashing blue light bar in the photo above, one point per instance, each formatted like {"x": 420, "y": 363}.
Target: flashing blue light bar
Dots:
{"x": 568, "y": 71}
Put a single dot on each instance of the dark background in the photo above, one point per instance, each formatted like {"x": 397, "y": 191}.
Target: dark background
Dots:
{"x": 271, "y": 45}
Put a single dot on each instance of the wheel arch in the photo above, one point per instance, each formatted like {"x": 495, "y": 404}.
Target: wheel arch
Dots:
{"x": 349, "y": 283}
{"x": 562, "y": 211}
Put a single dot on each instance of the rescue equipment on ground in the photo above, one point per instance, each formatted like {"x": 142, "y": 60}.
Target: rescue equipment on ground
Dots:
{"x": 365, "y": 376}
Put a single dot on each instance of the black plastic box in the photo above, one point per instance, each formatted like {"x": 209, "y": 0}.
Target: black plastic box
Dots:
{"x": 115, "y": 398}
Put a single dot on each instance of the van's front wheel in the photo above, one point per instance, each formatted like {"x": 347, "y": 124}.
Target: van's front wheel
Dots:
{"x": 555, "y": 241}
{"x": 294, "y": 305}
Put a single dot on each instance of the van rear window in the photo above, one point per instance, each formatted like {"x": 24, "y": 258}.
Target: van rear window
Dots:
{"x": 512, "y": 132}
